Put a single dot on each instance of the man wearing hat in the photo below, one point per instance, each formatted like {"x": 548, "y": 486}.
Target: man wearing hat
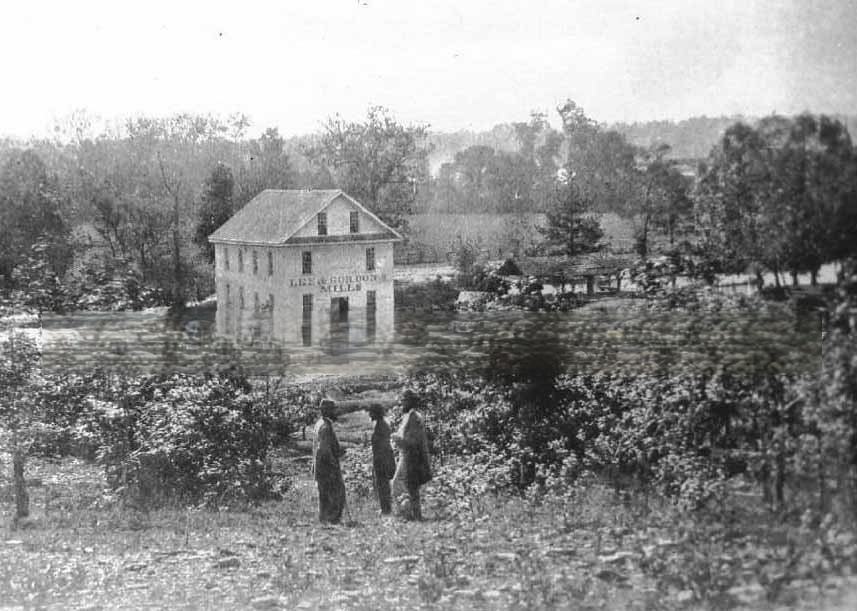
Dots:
{"x": 383, "y": 462}
{"x": 414, "y": 468}
{"x": 328, "y": 474}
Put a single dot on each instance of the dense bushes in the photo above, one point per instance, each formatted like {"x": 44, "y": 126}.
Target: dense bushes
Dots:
{"x": 178, "y": 438}
{"x": 187, "y": 438}
{"x": 682, "y": 431}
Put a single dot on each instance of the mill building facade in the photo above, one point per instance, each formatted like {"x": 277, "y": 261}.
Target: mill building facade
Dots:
{"x": 305, "y": 267}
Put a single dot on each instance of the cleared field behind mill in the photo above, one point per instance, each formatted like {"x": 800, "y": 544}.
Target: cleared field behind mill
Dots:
{"x": 497, "y": 233}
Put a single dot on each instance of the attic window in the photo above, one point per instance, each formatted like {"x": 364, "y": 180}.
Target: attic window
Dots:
{"x": 322, "y": 223}
{"x": 355, "y": 222}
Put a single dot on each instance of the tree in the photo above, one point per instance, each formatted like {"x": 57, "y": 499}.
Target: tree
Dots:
{"x": 169, "y": 156}
{"x": 445, "y": 191}
{"x": 602, "y": 163}
{"x": 216, "y": 207}
{"x": 677, "y": 213}
{"x": 729, "y": 206}
{"x": 483, "y": 178}
{"x": 19, "y": 411}
{"x": 472, "y": 167}
{"x": 539, "y": 147}
{"x": 811, "y": 179}
{"x": 265, "y": 166}
{"x": 661, "y": 199}
{"x": 31, "y": 210}
{"x": 378, "y": 161}
{"x": 779, "y": 196}
{"x": 570, "y": 227}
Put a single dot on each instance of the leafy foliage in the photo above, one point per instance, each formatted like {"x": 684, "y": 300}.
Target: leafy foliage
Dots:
{"x": 215, "y": 208}
{"x": 780, "y": 195}
{"x": 377, "y": 161}
{"x": 21, "y": 417}
{"x": 32, "y": 211}
{"x": 184, "y": 438}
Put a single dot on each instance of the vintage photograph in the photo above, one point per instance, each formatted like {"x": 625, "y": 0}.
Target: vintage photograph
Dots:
{"x": 385, "y": 304}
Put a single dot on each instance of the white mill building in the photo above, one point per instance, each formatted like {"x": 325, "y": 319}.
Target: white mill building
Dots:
{"x": 305, "y": 267}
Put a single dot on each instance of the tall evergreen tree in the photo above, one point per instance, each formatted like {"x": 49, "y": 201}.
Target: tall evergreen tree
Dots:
{"x": 571, "y": 229}
{"x": 216, "y": 206}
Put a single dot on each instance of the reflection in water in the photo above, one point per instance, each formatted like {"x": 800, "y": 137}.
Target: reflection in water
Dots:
{"x": 375, "y": 341}
{"x": 339, "y": 328}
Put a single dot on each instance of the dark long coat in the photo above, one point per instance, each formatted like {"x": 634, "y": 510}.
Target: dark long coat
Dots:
{"x": 383, "y": 464}
{"x": 328, "y": 473}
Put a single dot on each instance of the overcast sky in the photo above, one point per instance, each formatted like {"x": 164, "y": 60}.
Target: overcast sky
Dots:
{"x": 466, "y": 64}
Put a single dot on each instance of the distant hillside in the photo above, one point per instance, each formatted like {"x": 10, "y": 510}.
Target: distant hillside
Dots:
{"x": 689, "y": 139}
{"x": 693, "y": 138}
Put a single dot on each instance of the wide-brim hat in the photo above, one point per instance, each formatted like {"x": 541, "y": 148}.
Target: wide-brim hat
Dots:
{"x": 376, "y": 409}
{"x": 327, "y": 407}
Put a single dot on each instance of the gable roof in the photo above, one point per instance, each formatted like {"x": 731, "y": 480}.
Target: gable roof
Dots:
{"x": 595, "y": 264}
{"x": 273, "y": 217}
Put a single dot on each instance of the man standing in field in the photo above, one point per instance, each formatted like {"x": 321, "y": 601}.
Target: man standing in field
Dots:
{"x": 328, "y": 474}
{"x": 414, "y": 468}
{"x": 383, "y": 461}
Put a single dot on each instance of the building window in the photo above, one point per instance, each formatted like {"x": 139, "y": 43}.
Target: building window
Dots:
{"x": 255, "y": 262}
{"x": 306, "y": 326}
{"x": 255, "y": 302}
{"x": 371, "y": 325}
{"x": 240, "y": 297}
{"x": 228, "y": 309}
{"x": 271, "y": 301}
{"x": 322, "y": 223}
{"x": 225, "y": 258}
{"x": 355, "y": 222}
{"x": 306, "y": 262}
{"x": 240, "y": 260}
{"x": 270, "y": 263}
{"x": 370, "y": 259}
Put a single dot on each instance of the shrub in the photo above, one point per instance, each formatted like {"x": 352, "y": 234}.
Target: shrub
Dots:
{"x": 509, "y": 268}
{"x": 188, "y": 439}
{"x": 677, "y": 434}
{"x": 480, "y": 278}
{"x": 434, "y": 295}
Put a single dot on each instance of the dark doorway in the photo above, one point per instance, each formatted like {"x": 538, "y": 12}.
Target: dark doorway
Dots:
{"x": 338, "y": 323}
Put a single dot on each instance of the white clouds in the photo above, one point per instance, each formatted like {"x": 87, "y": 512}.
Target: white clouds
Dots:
{"x": 452, "y": 64}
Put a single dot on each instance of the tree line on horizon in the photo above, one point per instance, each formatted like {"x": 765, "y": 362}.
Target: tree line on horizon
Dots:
{"x": 123, "y": 215}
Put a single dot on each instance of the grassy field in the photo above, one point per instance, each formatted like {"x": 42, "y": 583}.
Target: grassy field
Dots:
{"x": 592, "y": 550}
{"x": 496, "y": 232}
